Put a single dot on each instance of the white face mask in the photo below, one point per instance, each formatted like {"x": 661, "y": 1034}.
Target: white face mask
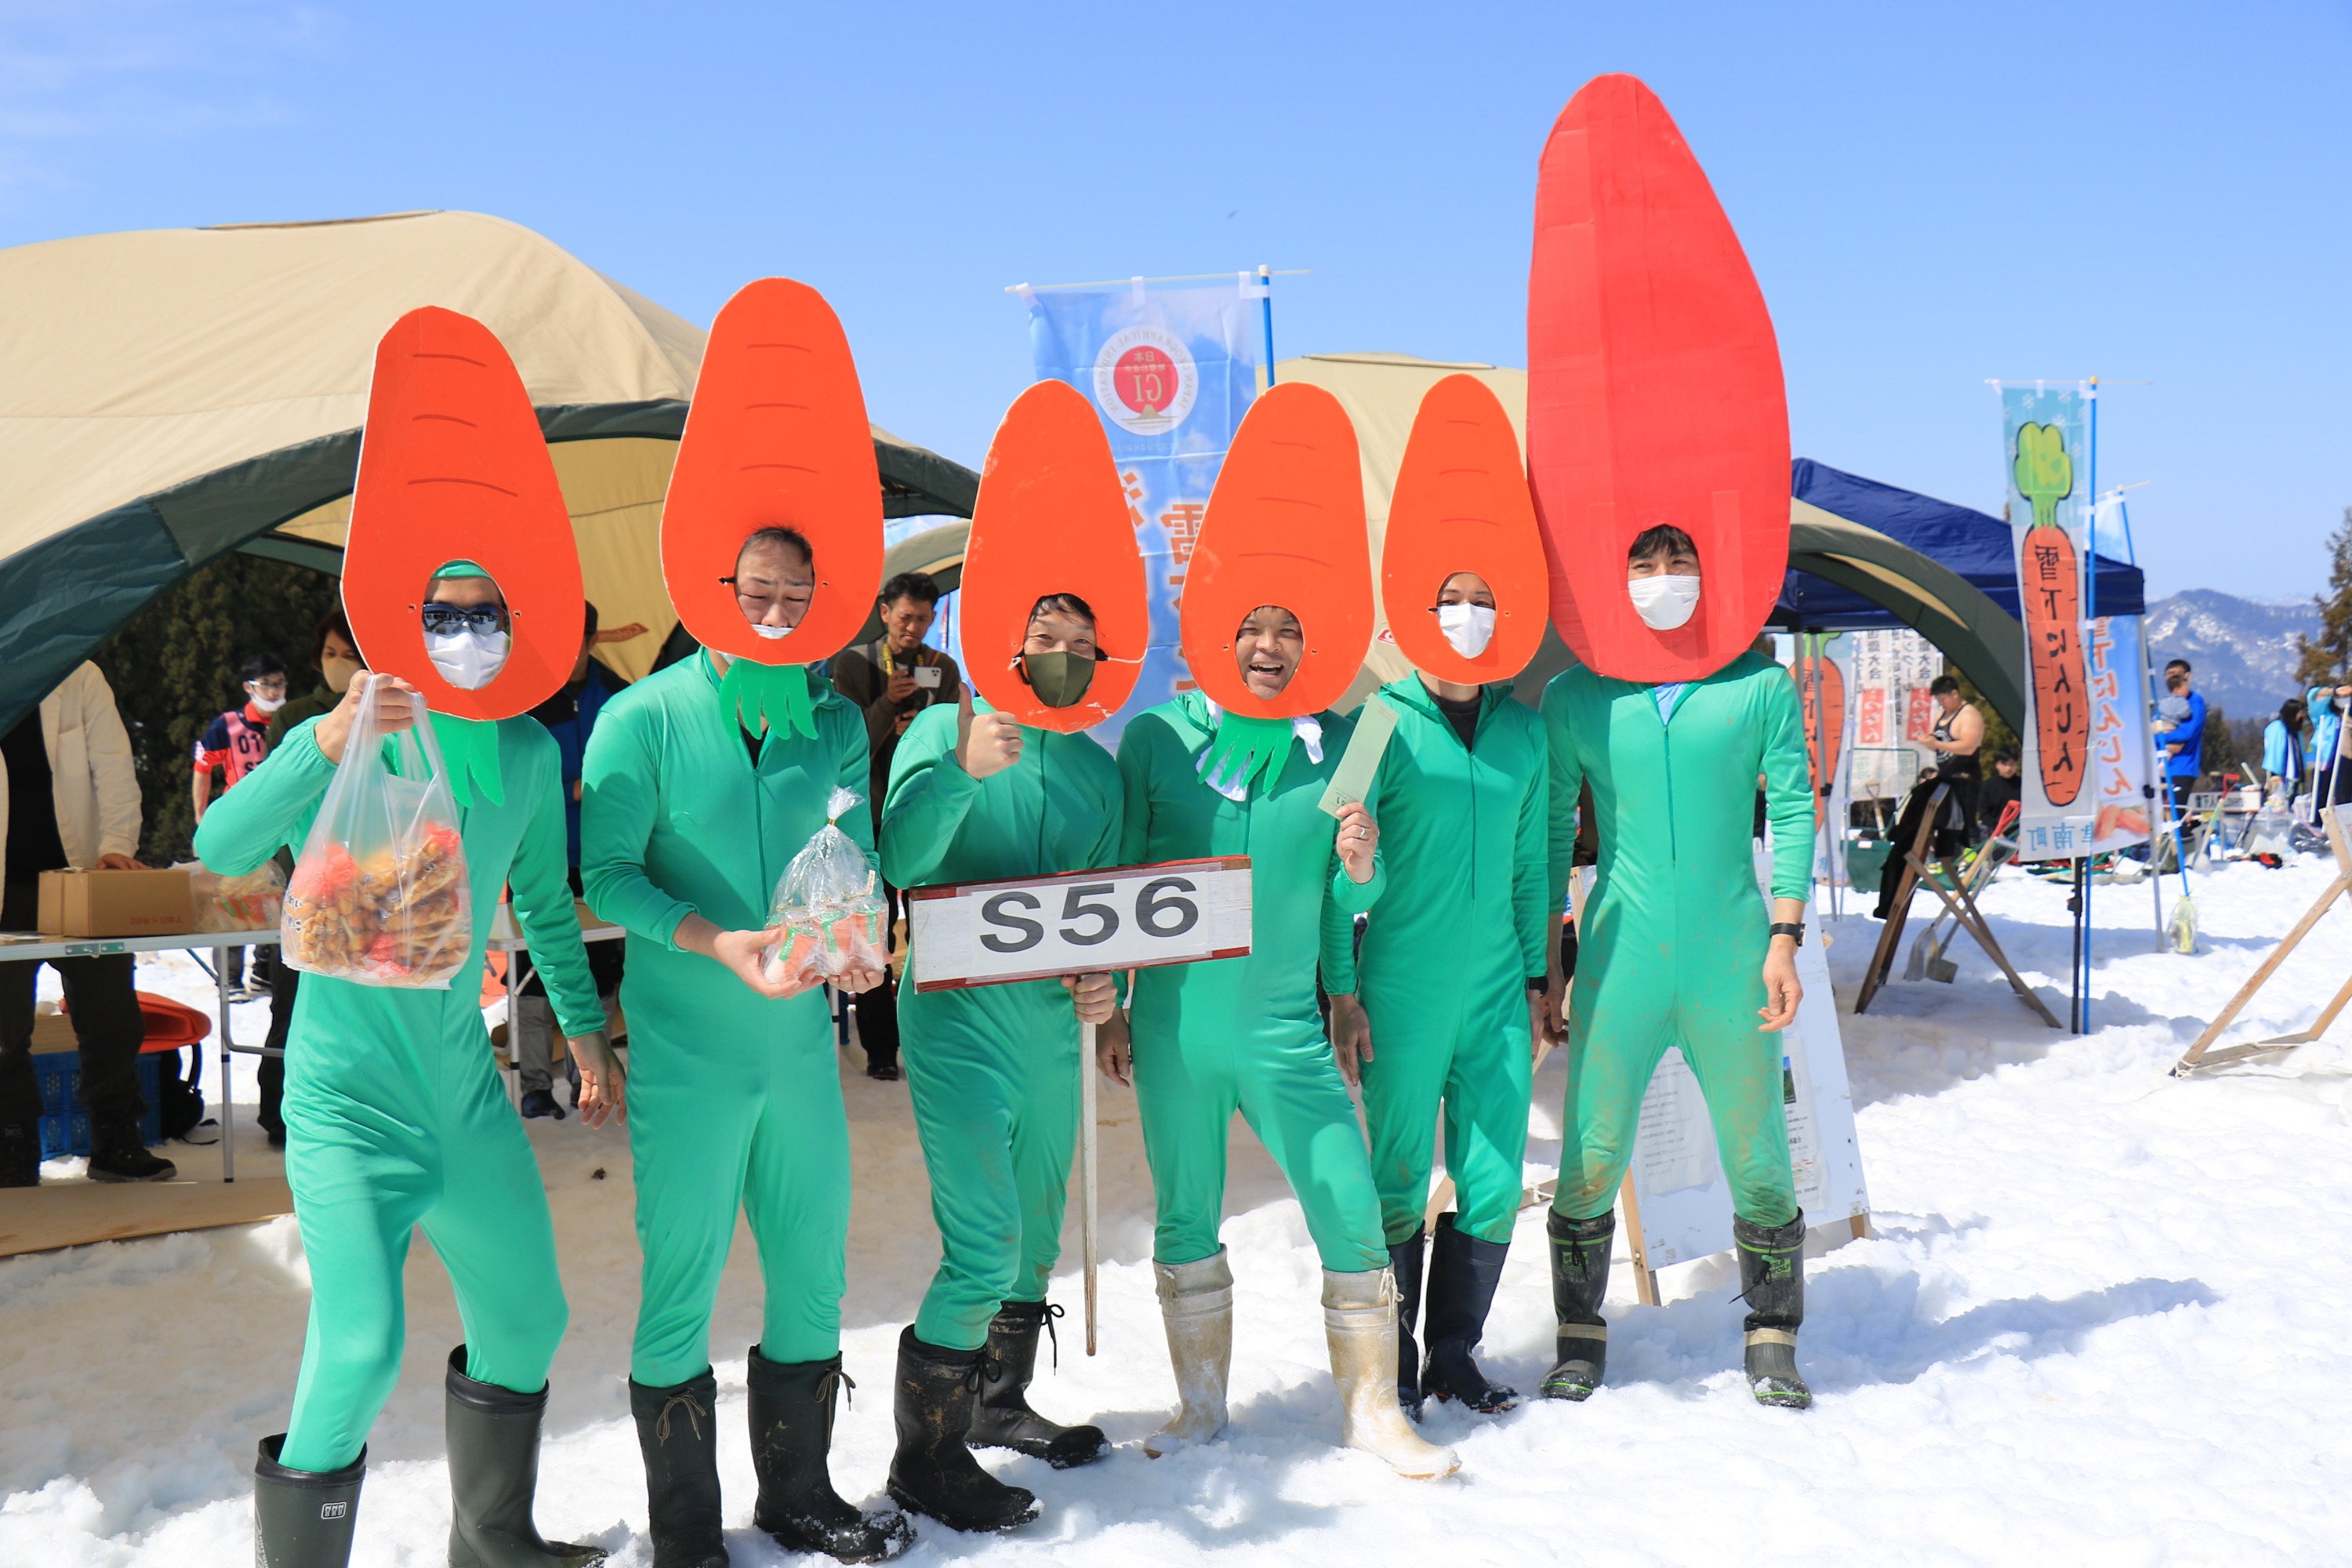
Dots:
{"x": 265, "y": 704}
{"x": 1662, "y": 601}
{"x": 1469, "y": 627}
{"x": 771, "y": 633}
{"x": 469, "y": 661}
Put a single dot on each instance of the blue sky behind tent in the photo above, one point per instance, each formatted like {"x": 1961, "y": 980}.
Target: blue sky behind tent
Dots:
{"x": 1931, "y": 195}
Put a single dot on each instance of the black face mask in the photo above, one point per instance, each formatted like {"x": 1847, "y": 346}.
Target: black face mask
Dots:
{"x": 1060, "y": 679}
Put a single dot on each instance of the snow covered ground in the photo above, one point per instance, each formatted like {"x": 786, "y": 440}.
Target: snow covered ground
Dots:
{"x": 2100, "y": 1321}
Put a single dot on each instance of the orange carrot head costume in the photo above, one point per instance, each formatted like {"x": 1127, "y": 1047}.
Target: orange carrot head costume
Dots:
{"x": 1052, "y": 518}
{"x": 1461, "y": 504}
{"x": 776, "y": 437}
{"x": 453, "y": 466}
{"x": 1654, "y": 389}
{"x": 1285, "y": 526}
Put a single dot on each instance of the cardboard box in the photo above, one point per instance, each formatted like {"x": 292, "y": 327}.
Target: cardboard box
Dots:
{"x": 116, "y": 903}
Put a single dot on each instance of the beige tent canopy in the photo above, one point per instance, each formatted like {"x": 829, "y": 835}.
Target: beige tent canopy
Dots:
{"x": 171, "y": 395}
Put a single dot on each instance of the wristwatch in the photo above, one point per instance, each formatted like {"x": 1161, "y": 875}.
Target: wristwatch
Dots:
{"x": 1790, "y": 928}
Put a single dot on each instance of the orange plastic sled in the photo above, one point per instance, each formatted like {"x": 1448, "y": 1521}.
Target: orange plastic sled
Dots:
{"x": 1285, "y": 526}
{"x": 1654, "y": 389}
{"x": 776, "y": 437}
{"x": 1461, "y": 504}
{"x": 453, "y": 465}
{"x": 1052, "y": 518}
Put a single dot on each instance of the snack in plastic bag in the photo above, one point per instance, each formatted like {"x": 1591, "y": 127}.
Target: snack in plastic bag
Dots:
{"x": 255, "y": 902}
{"x": 829, "y": 903}
{"x": 379, "y": 893}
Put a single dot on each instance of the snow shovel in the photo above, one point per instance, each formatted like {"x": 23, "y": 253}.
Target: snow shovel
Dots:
{"x": 1927, "y": 960}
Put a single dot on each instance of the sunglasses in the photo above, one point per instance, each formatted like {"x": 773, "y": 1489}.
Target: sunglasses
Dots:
{"x": 447, "y": 620}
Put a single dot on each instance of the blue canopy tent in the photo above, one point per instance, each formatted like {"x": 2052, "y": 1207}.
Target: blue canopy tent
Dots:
{"x": 1864, "y": 555}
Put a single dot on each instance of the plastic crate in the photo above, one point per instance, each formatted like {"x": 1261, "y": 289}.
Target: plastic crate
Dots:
{"x": 65, "y": 1120}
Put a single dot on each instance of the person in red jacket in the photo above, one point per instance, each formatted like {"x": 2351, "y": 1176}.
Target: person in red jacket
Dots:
{"x": 234, "y": 744}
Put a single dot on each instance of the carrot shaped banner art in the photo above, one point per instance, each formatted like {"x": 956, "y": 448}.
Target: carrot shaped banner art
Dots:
{"x": 2047, "y": 455}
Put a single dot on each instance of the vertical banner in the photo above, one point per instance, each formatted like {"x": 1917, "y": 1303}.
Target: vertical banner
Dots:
{"x": 2119, "y": 748}
{"x": 2047, "y": 454}
{"x": 1170, "y": 370}
{"x": 1892, "y": 713}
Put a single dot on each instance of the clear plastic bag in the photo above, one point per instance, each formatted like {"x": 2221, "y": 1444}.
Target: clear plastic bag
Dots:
{"x": 2272, "y": 831}
{"x": 830, "y": 903}
{"x": 380, "y": 894}
{"x": 255, "y": 902}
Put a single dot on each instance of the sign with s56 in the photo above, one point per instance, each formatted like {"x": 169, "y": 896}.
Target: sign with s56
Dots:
{"x": 1079, "y": 923}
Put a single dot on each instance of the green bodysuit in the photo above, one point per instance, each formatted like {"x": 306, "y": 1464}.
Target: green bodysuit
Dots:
{"x": 1671, "y": 950}
{"x": 1245, "y": 1033}
{"x": 1460, "y": 931}
{"x": 734, "y": 1100}
{"x": 994, "y": 1070}
{"x": 394, "y": 1114}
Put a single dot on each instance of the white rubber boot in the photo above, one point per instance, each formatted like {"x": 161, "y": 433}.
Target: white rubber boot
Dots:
{"x": 1197, "y": 1302}
{"x": 1359, "y": 1321}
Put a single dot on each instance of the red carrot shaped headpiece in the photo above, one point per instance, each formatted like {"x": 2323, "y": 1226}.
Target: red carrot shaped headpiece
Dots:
{"x": 1654, "y": 389}
{"x": 1461, "y": 504}
{"x": 776, "y": 437}
{"x": 1052, "y": 518}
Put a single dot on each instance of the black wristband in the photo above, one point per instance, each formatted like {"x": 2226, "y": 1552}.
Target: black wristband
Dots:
{"x": 1536, "y": 982}
{"x": 1790, "y": 928}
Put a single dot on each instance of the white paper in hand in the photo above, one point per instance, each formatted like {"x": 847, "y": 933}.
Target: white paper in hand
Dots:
{"x": 1352, "y": 779}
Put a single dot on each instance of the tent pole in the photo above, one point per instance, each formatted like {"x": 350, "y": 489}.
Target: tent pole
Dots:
{"x": 2090, "y": 603}
{"x": 1266, "y": 316}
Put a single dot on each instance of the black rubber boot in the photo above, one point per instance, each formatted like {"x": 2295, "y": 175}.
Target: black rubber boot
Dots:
{"x": 1580, "y": 1279}
{"x": 303, "y": 1519}
{"x": 1001, "y": 1416}
{"x": 677, "y": 1432}
{"x": 791, "y": 1432}
{"x": 493, "y": 1439}
{"x": 1463, "y": 1274}
{"x": 118, "y": 1153}
{"x": 1772, "y": 1283}
{"x": 1404, "y": 1262}
{"x": 933, "y": 1472}
{"x": 20, "y": 1155}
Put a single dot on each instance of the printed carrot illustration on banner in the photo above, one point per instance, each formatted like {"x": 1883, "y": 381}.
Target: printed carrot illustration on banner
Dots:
{"x": 2051, "y": 594}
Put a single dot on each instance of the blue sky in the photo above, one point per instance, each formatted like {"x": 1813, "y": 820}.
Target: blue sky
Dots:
{"x": 1930, "y": 195}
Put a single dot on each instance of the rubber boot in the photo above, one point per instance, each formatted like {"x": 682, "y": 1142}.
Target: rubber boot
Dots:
{"x": 1772, "y": 1283}
{"x": 1580, "y": 1279}
{"x": 677, "y": 1432}
{"x": 1001, "y": 1416}
{"x": 303, "y": 1519}
{"x": 1360, "y": 1323}
{"x": 1463, "y": 1274}
{"x": 118, "y": 1153}
{"x": 493, "y": 1439}
{"x": 933, "y": 1472}
{"x": 1404, "y": 1262}
{"x": 1196, "y": 1303}
{"x": 792, "y": 1433}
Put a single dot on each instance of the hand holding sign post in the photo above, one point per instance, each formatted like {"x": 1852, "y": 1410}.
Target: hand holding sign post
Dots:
{"x": 1070, "y": 927}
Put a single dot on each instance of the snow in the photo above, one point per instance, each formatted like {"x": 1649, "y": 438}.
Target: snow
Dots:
{"x": 2099, "y": 1322}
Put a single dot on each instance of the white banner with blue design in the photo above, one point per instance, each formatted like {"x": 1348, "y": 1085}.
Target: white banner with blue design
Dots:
{"x": 1171, "y": 369}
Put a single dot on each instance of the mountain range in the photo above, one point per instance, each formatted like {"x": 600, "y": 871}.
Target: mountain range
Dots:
{"x": 2241, "y": 651}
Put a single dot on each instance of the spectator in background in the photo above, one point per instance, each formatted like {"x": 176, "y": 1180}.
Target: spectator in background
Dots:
{"x": 569, "y": 716}
{"x": 892, "y": 679}
{"x": 2001, "y": 791}
{"x": 1955, "y": 738}
{"x": 335, "y": 655}
{"x": 68, "y": 796}
{"x": 235, "y": 742}
{"x": 2283, "y": 746}
{"x": 2331, "y": 775}
{"x": 2182, "y": 737}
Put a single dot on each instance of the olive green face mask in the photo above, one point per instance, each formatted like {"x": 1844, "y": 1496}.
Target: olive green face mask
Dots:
{"x": 1060, "y": 679}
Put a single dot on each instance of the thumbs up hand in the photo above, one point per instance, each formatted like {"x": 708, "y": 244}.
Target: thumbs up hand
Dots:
{"x": 985, "y": 742}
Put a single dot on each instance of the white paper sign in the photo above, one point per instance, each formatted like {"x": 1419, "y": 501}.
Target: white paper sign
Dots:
{"x": 1678, "y": 1184}
{"x": 1079, "y": 923}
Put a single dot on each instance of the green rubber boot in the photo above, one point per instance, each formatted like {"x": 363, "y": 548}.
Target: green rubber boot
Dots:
{"x": 303, "y": 1519}
{"x": 493, "y": 1435}
{"x": 1772, "y": 1282}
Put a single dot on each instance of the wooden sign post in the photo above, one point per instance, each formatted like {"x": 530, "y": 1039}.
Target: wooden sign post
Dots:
{"x": 1079, "y": 923}
{"x": 2200, "y": 1054}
